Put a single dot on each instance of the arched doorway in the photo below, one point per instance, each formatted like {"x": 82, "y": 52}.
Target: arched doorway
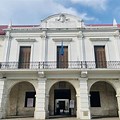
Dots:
{"x": 62, "y": 101}
{"x": 21, "y": 100}
{"x": 103, "y": 101}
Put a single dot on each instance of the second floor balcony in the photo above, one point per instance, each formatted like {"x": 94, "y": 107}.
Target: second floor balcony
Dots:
{"x": 61, "y": 65}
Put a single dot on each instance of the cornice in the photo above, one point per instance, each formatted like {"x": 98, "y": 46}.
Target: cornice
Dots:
{"x": 101, "y": 27}
{"x": 88, "y": 31}
{"x": 62, "y": 35}
{"x": 99, "y": 34}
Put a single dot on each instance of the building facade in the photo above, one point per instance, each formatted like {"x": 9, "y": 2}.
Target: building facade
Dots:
{"x": 61, "y": 67}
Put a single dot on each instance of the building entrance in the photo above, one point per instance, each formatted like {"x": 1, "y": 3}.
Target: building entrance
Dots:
{"x": 62, "y": 101}
{"x": 62, "y": 98}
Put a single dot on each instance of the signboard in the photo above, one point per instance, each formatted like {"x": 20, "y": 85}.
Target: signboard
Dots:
{"x": 71, "y": 103}
{"x": 30, "y": 102}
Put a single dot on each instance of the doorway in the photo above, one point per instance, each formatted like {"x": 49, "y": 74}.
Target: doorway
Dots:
{"x": 61, "y": 102}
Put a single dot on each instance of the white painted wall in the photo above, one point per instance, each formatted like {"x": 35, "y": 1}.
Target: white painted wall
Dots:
{"x": 1, "y": 47}
{"x": 75, "y": 52}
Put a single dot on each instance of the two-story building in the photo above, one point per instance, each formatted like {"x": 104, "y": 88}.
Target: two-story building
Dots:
{"x": 61, "y": 67}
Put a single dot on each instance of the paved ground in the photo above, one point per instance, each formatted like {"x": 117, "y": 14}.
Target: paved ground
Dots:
{"x": 69, "y": 118}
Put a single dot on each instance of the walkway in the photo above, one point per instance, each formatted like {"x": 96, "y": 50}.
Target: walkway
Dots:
{"x": 71, "y": 118}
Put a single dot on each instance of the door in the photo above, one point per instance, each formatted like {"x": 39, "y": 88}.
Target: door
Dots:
{"x": 24, "y": 57}
{"x": 62, "y": 59}
{"x": 100, "y": 58}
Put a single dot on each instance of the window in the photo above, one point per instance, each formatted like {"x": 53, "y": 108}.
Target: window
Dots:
{"x": 62, "y": 59}
{"x": 100, "y": 58}
{"x": 24, "y": 56}
{"x": 95, "y": 99}
{"x": 30, "y": 99}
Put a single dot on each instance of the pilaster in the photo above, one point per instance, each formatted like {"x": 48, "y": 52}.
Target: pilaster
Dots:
{"x": 7, "y": 46}
{"x": 40, "y": 112}
{"x": 116, "y": 44}
{"x": 45, "y": 46}
{"x": 81, "y": 48}
{"x": 47, "y": 105}
{"x": 84, "y": 97}
{"x": 3, "y": 98}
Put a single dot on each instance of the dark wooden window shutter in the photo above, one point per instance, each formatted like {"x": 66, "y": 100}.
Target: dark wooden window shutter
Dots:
{"x": 24, "y": 56}
{"x": 100, "y": 57}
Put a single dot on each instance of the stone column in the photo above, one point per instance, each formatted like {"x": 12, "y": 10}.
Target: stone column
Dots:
{"x": 3, "y": 98}
{"x": 78, "y": 106}
{"x": 118, "y": 100}
{"x": 40, "y": 112}
{"x": 84, "y": 97}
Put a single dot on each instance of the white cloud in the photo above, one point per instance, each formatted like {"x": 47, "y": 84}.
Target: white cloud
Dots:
{"x": 96, "y": 4}
{"x": 32, "y": 11}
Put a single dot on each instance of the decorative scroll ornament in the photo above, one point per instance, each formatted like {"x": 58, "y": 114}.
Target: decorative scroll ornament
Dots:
{"x": 41, "y": 74}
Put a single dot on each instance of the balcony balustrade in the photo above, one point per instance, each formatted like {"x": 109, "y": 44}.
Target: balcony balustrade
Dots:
{"x": 62, "y": 65}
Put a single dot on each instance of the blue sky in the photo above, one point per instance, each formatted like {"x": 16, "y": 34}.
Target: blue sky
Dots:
{"x": 33, "y": 11}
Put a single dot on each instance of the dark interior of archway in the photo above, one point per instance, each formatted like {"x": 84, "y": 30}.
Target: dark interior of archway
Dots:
{"x": 62, "y": 94}
{"x": 103, "y": 101}
{"x": 21, "y": 100}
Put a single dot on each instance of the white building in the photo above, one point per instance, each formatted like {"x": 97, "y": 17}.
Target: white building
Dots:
{"x": 60, "y": 67}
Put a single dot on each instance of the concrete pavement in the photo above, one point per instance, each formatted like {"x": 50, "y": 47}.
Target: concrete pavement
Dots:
{"x": 69, "y": 118}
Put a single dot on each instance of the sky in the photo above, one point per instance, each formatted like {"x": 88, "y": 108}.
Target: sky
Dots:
{"x": 31, "y": 12}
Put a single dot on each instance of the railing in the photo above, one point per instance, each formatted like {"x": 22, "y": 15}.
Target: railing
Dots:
{"x": 62, "y": 65}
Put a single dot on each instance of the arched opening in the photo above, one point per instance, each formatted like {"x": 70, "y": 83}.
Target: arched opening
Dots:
{"x": 103, "y": 101}
{"x": 62, "y": 101}
{"x": 21, "y": 100}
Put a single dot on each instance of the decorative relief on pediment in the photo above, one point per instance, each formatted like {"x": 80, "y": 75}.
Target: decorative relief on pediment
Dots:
{"x": 62, "y": 18}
